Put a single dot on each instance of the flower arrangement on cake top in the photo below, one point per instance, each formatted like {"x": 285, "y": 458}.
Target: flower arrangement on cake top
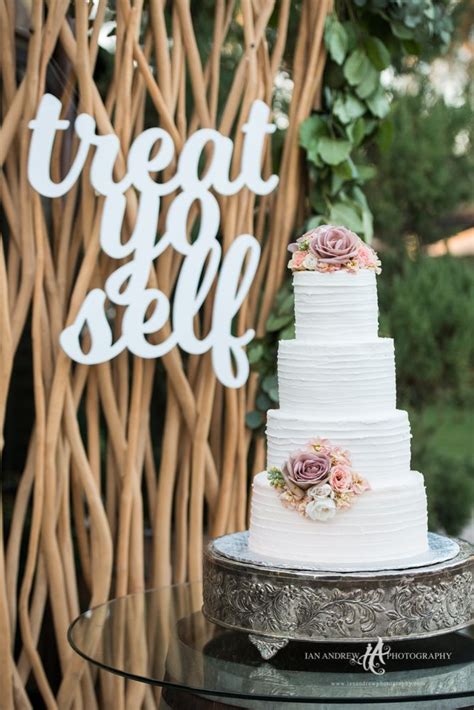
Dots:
{"x": 329, "y": 248}
{"x": 317, "y": 480}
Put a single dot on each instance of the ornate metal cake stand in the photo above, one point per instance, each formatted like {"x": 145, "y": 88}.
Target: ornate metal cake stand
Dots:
{"x": 275, "y": 603}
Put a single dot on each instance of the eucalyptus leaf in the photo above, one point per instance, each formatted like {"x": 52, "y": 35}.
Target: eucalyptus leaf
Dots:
{"x": 254, "y": 419}
{"x": 335, "y": 38}
{"x": 356, "y": 131}
{"x": 366, "y": 172}
{"x": 333, "y": 151}
{"x": 288, "y": 333}
{"x": 270, "y": 384}
{"x": 347, "y": 108}
{"x": 254, "y": 352}
{"x": 356, "y": 67}
{"x": 275, "y": 322}
{"x": 285, "y": 304}
{"x": 368, "y": 84}
{"x": 341, "y": 174}
{"x": 311, "y": 129}
{"x": 377, "y": 53}
{"x": 346, "y": 215}
{"x": 378, "y": 103}
{"x": 315, "y": 221}
{"x": 385, "y": 134}
{"x": 263, "y": 402}
{"x": 401, "y": 31}
{"x": 368, "y": 224}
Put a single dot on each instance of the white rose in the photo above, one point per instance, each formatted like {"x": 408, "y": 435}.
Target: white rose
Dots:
{"x": 309, "y": 262}
{"x": 321, "y": 509}
{"x": 322, "y": 490}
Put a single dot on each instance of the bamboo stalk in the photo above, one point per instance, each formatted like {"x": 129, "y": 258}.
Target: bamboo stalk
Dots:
{"x": 79, "y": 508}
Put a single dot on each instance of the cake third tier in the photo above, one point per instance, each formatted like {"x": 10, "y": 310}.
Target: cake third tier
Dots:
{"x": 327, "y": 378}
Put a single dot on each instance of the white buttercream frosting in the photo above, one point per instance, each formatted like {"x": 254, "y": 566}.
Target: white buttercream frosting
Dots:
{"x": 388, "y": 522}
{"x": 339, "y": 306}
{"x": 379, "y": 447}
{"x": 324, "y": 378}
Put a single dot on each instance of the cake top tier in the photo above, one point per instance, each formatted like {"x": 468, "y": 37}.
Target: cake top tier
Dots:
{"x": 335, "y": 307}
{"x": 331, "y": 248}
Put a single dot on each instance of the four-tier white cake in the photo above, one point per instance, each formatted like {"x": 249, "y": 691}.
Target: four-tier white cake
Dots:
{"x": 337, "y": 404}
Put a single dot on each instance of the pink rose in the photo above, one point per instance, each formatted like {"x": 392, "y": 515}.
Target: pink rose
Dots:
{"x": 333, "y": 245}
{"x": 367, "y": 256}
{"x": 305, "y": 468}
{"x": 297, "y": 259}
{"x": 340, "y": 478}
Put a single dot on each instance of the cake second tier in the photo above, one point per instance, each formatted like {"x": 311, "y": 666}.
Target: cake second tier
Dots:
{"x": 326, "y": 380}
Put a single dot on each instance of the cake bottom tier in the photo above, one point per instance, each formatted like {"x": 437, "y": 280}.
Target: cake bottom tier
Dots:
{"x": 386, "y": 523}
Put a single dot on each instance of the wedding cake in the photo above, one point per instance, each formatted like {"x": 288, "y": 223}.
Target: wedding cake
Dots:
{"x": 338, "y": 486}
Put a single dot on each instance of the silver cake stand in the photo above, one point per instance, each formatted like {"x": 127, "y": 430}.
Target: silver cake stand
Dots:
{"x": 276, "y": 601}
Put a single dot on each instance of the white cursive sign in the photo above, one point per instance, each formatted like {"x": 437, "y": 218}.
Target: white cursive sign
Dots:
{"x": 127, "y": 285}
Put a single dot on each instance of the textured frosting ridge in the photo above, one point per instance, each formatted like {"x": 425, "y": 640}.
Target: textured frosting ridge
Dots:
{"x": 337, "y": 381}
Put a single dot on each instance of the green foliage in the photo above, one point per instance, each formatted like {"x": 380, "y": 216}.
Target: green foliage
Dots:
{"x": 262, "y": 354}
{"x": 426, "y": 171}
{"x": 427, "y": 306}
{"x": 362, "y": 40}
{"x": 449, "y": 477}
{"x": 450, "y": 491}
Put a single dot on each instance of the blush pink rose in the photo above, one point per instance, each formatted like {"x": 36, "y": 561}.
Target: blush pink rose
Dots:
{"x": 298, "y": 258}
{"x": 367, "y": 255}
{"x": 340, "y": 478}
{"x": 333, "y": 245}
{"x": 306, "y": 468}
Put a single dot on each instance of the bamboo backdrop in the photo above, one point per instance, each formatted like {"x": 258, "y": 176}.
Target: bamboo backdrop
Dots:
{"x": 78, "y": 517}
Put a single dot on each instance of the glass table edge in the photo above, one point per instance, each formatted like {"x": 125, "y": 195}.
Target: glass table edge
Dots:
{"x": 258, "y": 696}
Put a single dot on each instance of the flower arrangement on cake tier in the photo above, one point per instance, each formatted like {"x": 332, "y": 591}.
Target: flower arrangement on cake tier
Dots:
{"x": 330, "y": 248}
{"x": 318, "y": 480}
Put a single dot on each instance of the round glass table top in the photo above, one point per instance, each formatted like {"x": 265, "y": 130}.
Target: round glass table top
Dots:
{"x": 161, "y": 637}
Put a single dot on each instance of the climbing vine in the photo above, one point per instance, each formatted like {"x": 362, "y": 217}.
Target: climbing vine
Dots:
{"x": 363, "y": 38}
